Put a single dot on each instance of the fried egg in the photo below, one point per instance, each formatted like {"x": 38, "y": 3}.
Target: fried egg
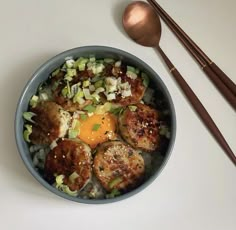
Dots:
{"x": 97, "y": 129}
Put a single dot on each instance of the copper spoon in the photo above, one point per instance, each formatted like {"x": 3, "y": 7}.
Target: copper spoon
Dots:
{"x": 143, "y": 25}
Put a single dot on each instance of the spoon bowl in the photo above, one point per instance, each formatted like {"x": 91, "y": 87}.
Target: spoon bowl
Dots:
{"x": 142, "y": 24}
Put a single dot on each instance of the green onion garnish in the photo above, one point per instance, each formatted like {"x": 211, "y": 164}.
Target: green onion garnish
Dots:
{"x": 145, "y": 79}
{"x": 132, "y": 108}
{"x": 96, "y": 127}
{"x": 115, "y": 182}
{"x": 115, "y": 192}
{"x": 90, "y": 108}
{"x": 27, "y": 132}
{"x": 83, "y": 117}
{"x": 28, "y": 116}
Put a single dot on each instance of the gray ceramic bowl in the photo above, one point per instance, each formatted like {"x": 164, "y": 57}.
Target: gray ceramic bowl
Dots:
{"x": 42, "y": 74}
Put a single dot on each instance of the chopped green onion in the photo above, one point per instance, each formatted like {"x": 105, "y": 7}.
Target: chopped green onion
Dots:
{"x": 101, "y": 109}
{"x": 34, "y": 101}
{"x": 64, "y": 91}
{"x": 87, "y": 94}
{"x": 109, "y": 60}
{"x": 83, "y": 117}
{"x": 132, "y": 108}
{"x": 132, "y": 72}
{"x": 86, "y": 83}
{"x": 68, "y": 88}
{"x": 72, "y": 133}
{"x": 115, "y": 182}
{"x": 56, "y": 72}
{"x": 98, "y": 84}
{"x": 27, "y": 132}
{"x": 70, "y": 73}
{"x": 70, "y": 63}
{"x": 78, "y": 96}
{"x": 96, "y": 97}
{"x": 115, "y": 192}
{"x": 117, "y": 110}
{"x": 89, "y": 108}
{"x": 28, "y": 116}
{"x": 96, "y": 127}
{"x": 74, "y": 123}
{"x": 59, "y": 179}
{"x": 145, "y": 79}
{"x": 75, "y": 88}
{"x": 67, "y": 190}
{"x": 131, "y": 69}
{"x": 43, "y": 96}
{"x": 111, "y": 96}
{"x": 92, "y": 58}
{"x": 62, "y": 187}
{"x": 73, "y": 177}
{"x": 118, "y": 64}
{"x": 81, "y": 63}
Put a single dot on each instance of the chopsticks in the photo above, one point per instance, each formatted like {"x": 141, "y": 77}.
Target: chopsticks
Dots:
{"x": 214, "y": 76}
{"x": 224, "y": 84}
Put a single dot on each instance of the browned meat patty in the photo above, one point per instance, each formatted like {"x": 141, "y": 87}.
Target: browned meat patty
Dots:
{"x": 137, "y": 87}
{"x": 118, "y": 166}
{"x": 140, "y": 127}
{"x": 137, "y": 91}
{"x": 68, "y": 157}
{"x": 57, "y": 84}
{"x": 51, "y": 122}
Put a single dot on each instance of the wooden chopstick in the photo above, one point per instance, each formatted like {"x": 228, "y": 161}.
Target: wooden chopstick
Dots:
{"x": 224, "y": 84}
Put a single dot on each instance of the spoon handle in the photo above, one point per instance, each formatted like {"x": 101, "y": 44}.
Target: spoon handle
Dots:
{"x": 199, "y": 108}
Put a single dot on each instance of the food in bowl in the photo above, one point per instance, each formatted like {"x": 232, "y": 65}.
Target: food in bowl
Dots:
{"x": 96, "y": 128}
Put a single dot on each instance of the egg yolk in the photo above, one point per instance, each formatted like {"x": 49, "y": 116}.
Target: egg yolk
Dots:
{"x": 97, "y": 129}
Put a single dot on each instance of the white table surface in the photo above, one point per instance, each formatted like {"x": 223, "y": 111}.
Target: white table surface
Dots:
{"x": 196, "y": 189}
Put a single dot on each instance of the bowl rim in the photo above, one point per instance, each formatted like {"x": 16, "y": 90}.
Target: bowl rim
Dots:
{"x": 63, "y": 55}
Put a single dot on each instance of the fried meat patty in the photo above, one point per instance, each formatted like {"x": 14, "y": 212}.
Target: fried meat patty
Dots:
{"x": 118, "y": 166}
{"x": 57, "y": 84}
{"x": 51, "y": 122}
{"x": 67, "y": 158}
{"x": 139, "y": 127}
{"x": 137, "y": 91}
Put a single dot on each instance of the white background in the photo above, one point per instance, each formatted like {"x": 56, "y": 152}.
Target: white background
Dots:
{"x": 197, "y": 188}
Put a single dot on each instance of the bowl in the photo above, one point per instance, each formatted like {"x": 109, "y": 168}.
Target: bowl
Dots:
{"x": 100, "y": 52}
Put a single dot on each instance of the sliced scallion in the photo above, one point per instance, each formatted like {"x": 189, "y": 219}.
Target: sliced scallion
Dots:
{"x": 27, "y": 132}
{"x": 83, "y": 117}
{"x": 89, "y": 108}
{"x": 115, "y": 182}
{"x": 73, "y": 177}
{"x": 34, "y": 101}
{"x": 28, "y": 116}
{"x": 56, "y": 72}
{"x": 109, "y": 60}
{"x": 115, "y": 192}
{"x": 70, "y": 63}
{"x": 145, "y": 79}
{"x": 72, "y": 133}
{"x": 116, "y": 110}
{"x": 98, "y": 84}
{"x": 96, "y": 127}
{"x": 132, "y": 108}
{"x": 81, "y": 63}
{"x": 59, "y": 179}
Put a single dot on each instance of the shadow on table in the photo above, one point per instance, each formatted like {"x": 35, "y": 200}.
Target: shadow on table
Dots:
{"x": 15, "y": 173}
